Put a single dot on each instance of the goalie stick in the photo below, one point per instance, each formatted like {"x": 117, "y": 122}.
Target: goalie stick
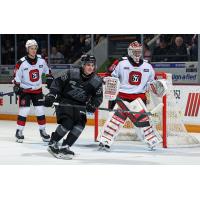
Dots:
{"x": 152, "y": 112}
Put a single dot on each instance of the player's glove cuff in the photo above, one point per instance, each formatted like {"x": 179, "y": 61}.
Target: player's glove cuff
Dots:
{"x": 49, "y": 100}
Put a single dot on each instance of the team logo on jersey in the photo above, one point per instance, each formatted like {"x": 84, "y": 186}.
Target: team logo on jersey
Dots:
{"x": 135, "y": 78}
{"x": 34, "y": 75}
{"x": 146, "y": 70}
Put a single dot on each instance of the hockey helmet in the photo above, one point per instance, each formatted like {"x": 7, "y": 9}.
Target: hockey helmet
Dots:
{"x": 135, "y": 51}
{"x": 86, "y": 58}
{"x": 30, "y": 43}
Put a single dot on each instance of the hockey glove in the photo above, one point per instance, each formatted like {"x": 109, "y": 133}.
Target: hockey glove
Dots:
{"x": 90, "y": 108}
{"x": 17, "y": 90}
{"x": 49, "y": 81}
{"x": 49, "y": 100}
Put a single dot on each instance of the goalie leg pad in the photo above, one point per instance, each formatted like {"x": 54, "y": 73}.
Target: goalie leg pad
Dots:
{"x": 111, "y": 128}
{"x": 150, "y": 136}
{"x": 145, "y": 128}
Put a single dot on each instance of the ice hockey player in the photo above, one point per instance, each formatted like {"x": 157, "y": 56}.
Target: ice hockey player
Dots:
{"x": 78, "y": 90}
{"x": 28, "y": 87}
{"x": 134, "y": 75}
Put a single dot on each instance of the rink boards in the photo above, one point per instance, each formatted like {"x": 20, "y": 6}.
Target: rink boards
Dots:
{"x": 187, "y": 98}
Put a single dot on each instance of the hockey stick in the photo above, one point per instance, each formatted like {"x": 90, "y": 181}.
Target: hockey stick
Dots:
{"x": 10, "y": 93}
{"x": 152, "y": 112}
{"x": 5, "y": 94}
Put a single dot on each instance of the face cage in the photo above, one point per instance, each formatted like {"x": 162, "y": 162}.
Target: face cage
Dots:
{"x": 135, "y": 54}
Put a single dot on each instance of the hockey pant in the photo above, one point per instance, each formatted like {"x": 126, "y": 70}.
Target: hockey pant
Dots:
{"x": 144, "y": 127}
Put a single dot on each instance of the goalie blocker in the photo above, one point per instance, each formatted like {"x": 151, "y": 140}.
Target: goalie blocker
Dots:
{"x": 144, "y": 126}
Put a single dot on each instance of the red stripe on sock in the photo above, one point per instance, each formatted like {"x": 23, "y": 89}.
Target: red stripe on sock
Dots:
{"x": 41, "y": 122}
{"x": 21, "y": 123}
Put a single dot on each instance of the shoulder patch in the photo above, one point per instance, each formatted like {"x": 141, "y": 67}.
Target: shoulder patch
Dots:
{"x": 123, "y": 58}
{"x": 22, "y": 59}
{"x": 39, "y": 56}
{"x": 98, "y": 78}
{"x": 146, "y": 61}
{"x": 19, "y": 62}
{"x": 96, "y": 81}
{"x": 74, "y": 73}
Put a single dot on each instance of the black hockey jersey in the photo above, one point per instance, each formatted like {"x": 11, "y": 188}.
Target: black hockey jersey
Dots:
{"x": 74, "y": 87}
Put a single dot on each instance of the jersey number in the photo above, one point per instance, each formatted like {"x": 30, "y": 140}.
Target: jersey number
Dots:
{"x": 34, "y": 75}
{"x": 135, "y": 78}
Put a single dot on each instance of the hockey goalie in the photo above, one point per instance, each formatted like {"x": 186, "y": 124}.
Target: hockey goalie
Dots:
{"x": 136, "y": 76}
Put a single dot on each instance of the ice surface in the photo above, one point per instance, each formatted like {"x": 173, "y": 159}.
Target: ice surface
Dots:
{"x": 34, "y": 151}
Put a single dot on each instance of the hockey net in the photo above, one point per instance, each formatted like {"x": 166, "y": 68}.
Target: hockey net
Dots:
{"x": 168, "y": 120}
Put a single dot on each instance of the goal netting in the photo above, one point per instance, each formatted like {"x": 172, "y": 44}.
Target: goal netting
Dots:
{"x": 168, "y": 120}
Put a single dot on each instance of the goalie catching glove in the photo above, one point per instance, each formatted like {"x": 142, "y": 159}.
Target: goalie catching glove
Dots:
{"x": 159, "y": 87}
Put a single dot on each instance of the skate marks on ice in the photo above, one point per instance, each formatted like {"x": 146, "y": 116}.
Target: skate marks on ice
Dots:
{"x": 128, "y": 153}
{"x": 34, "y": 151}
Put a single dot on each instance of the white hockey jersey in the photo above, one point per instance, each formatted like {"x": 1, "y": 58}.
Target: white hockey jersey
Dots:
{"x": 133, "y": 79}
{"x": 29, "y": 75}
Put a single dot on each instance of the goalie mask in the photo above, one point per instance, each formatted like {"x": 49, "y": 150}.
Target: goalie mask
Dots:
{"x": 31, "y": 43}
{"x": 135, "y": 51}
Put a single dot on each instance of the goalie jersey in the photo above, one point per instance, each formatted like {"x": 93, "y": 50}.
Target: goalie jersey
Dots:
{"x": 134, "y": 78}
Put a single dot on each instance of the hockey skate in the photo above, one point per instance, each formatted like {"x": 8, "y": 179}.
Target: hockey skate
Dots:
{"x": 45, "y": 137}
{"x": 104, "y": 147}
{"x": 19, "y": 136}
{"x": 66, "y": 153}
{"x": 151, "y": 148}
{"x": 53, "y": 149}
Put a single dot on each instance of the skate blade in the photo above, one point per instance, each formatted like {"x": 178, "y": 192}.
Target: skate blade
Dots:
{"x": 153, "y": 148}
{"x": 60, "y": 156}
{"x": 45, "y": 140}
{"x": 65, "y": 157}
{"x": 103, "y": 149}
{"x": 52, "y": 153}
{"x": 19, "y": 140}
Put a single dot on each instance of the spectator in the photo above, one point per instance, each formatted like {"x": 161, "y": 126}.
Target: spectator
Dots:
{"x": 160, "y": 52}
{"x": 87, "y": 43}
{"x": 147, "y": 52}
{"x": 98, "y": 38}
{"x": 8, "y": 54}
{"x": 44, "y": 54}
{"x": 56, "y": 56}
{"x": 194, "y": 49}
{"x": 178, "y": 50}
